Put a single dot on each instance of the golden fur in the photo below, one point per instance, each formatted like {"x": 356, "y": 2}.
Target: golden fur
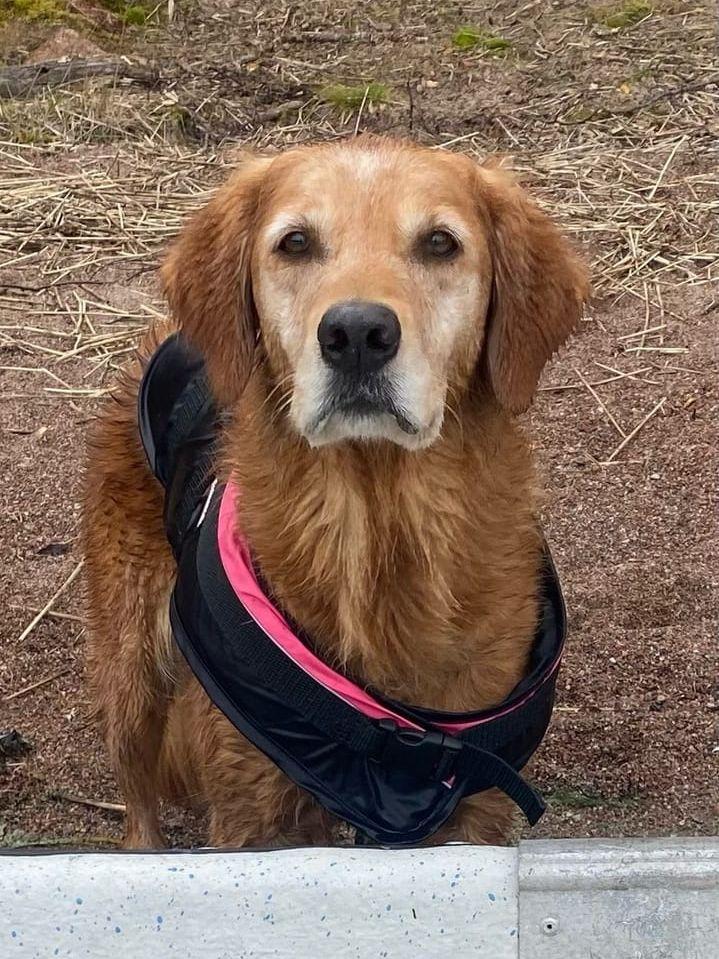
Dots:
{"x": 414, "y": 569}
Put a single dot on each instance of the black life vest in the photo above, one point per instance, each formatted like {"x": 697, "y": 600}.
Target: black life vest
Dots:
{"x": 394, "y": 771}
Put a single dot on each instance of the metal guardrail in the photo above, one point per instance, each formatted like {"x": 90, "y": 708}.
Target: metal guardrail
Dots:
{"x": 620, "y": 899}
{"x": 565, "y": 899}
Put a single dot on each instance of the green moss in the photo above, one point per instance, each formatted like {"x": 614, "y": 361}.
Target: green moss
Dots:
{"x": 133, "y": 12}
{"x": 179, "y": 124}
{"x": 469, "y": 38}
{"x": 580, "y": 113}
{"x": 346, "y": 97}
{"x": 644, "y": 73}
{"x": 18, "y": 839}
{"x": 626, "y": 15}
{"x": 11, "y": 837}
{"x": 135, "y": 16}
{"x": 568, "y": 797}
{"x": 32, "y": 9}
{"x": 31, "y": 136}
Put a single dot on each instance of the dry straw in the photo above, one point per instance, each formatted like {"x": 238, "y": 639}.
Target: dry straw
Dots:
{"x": 108, "y": 177}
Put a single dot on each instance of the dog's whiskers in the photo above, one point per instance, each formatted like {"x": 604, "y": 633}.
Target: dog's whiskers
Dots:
{"x": 451, "y": 408}
{"x": 278, "y": 386}
{"x": 281, "y": 407}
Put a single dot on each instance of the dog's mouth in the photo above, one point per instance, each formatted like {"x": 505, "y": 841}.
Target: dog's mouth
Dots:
{"x": 361, "y": 400}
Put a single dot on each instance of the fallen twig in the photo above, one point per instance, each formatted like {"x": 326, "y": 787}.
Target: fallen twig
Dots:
{"x": 633, "y": 375}
{"x": 51, "y": 613}
{"x": 26, "y": 79}
{"x": 630, "y": 436}
{"x": 83, "y": 801}
{"x": 50, "y": 603}
{"x": 601, "y": 402}
{"x": 37, "y": 685}
{"x": 603, "y": 113}
{"x": 274, "y": 113}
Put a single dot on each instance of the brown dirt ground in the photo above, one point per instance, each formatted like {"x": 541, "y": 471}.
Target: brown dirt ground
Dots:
{"x": 613, "y": 130}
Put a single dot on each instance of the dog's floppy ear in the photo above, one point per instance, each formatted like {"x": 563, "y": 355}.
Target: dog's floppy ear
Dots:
{"x": 206, "y": 277}
{"x": 538, "y": 291}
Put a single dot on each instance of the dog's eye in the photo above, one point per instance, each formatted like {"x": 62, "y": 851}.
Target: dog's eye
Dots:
{"x": 441, "y": 244}
{"x": 295, "y": 242}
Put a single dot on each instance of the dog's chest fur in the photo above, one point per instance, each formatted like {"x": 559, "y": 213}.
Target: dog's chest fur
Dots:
{"x": 416, "y": 572}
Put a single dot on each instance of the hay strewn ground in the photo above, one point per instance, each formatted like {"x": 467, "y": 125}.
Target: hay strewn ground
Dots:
{"x": 614, "y": 129}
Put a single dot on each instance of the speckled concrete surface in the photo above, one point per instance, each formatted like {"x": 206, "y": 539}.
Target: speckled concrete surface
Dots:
{"x": 456, "y": 901}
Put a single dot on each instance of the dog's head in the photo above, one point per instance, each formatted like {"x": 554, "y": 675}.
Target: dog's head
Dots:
{"x": 378, "y": 281}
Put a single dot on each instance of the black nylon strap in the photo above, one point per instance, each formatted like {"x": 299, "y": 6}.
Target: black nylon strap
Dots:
{"x": 182, "y": 503}
{"x": 191, "y": 445}
{"x": 178, "y": 424}
{"x": 485, "y": 770}
{"x": 325, "y": 710}
{"x": 249, "y": 643}
{"x": 193, "y": 406}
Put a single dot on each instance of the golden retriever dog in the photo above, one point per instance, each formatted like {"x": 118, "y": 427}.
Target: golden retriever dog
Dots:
{"x": 397, "y": 526}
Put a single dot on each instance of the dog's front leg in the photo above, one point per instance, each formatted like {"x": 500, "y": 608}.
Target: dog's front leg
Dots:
{"x": 250, "y": 800}
{"x": 484, "y": 819}
{"x": 131, "y": 693}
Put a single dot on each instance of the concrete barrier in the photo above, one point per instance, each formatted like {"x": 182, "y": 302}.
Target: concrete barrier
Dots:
{"x": 593, "y": 899}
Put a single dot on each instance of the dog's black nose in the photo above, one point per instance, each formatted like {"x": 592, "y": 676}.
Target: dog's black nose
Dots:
{"x": 358, "y": 337}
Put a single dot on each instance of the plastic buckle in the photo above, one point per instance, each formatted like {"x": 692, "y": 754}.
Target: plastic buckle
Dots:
{"x": 431, "y": 754}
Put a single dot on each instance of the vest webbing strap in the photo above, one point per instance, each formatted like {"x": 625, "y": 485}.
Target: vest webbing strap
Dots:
{"x": 431, "y": 754}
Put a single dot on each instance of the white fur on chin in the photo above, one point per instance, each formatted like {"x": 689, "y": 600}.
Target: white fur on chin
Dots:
{"x": 338, "y": 428}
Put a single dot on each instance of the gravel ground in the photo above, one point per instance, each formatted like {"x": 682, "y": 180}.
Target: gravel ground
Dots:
{"x": 612, "y": 130}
